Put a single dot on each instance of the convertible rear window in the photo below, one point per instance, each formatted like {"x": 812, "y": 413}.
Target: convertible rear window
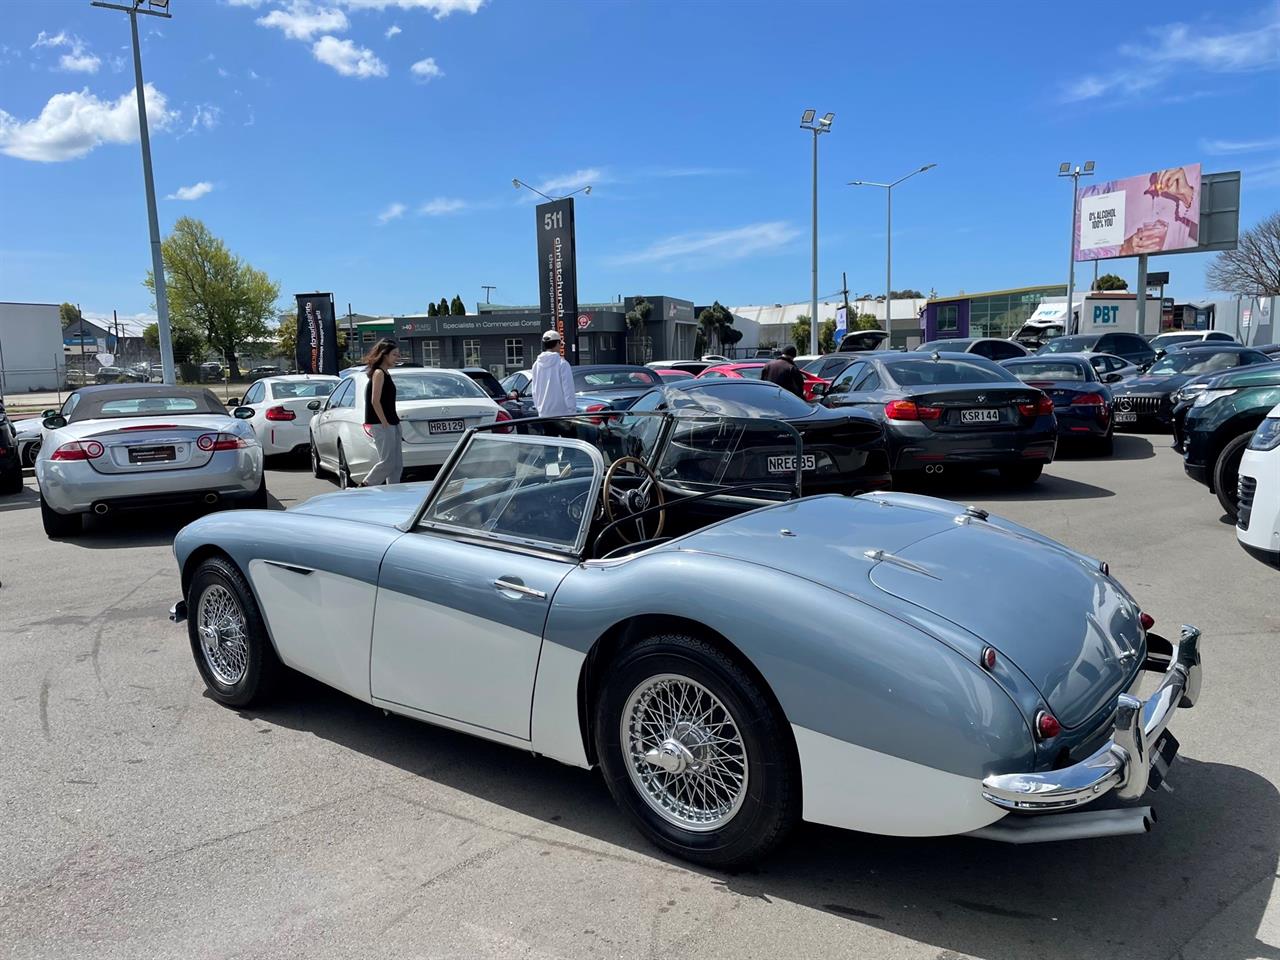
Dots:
{"x": 920, "y": 373}
{"x": 621, "y": 377}
{"x": 536, "y": 492}
{"x": 294, "y": 389}
{"x": 151, "y": 404}
{"x": 435, "y": 386}
{"x": 1048, "y": 370}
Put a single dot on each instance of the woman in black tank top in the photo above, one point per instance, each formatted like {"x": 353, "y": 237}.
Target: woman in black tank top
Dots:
{"x": 380, "y": 414}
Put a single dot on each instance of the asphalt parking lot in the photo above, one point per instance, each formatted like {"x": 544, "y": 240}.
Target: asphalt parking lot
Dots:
{"x": 140, "y": 819}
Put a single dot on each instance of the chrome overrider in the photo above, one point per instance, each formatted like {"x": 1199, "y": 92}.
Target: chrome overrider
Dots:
{"x": 1123, "y": 764}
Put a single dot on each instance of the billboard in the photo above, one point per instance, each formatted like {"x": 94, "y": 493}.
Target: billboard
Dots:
{"x": 558, "y": 273}
{"x": 1148, "y": 214}
{"x": 317, "y": 349}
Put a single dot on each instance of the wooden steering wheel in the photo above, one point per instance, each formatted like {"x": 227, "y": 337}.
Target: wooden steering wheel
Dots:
{"x": 633, "y": 501}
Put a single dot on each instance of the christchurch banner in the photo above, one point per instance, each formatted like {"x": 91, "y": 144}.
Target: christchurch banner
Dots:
{"x": 317, "y": 350}
{"x": 558, "y": 273}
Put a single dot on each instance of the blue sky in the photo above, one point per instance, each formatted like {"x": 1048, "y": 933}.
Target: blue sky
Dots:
{"x": 367, "y": 146}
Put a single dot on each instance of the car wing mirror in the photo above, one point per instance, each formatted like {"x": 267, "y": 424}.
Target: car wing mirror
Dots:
{"x": 313, "y": 405}
{"x": 1113, "y": 378}
{"x": 233, "y": 402}
{"x": 46, "y": 414}
{"x": 243, "y": 413}
{"x": 54, "y": 422}
{"x": 820, "y": 390}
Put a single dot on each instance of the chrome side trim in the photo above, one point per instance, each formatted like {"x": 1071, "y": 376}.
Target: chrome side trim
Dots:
{"x": 291, "y": 567}
{"x": 884, "y": 556}
{"x": 1123, "y": 763}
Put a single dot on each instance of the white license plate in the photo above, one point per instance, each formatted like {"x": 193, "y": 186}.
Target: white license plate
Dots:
{"x": 435, "y": 427}
{"x": 788, "y": 464}
{"x": 979, "y": 416}
{"x": 1126, "y": 417}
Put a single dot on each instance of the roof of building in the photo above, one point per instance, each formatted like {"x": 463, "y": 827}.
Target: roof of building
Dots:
{"x": 788, "y": 313}
{"x": 999, "y": 293}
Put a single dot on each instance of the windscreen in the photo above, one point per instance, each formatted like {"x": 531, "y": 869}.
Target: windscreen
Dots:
{"x": 297, "y": 389}
{"x": 435, "y": 386}
{"x": 1068, "y": 344}
{"x": 1192, "y": 362}
{"x": 1048, "y": 370}
{"x": 927, "y": 373}
{"x": 704, "y": 454}
{"x": 614, "y": 378}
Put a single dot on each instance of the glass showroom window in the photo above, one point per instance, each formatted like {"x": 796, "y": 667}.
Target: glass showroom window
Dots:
{"x": 515, "y": 353}
{"x": 948, "y": 319}
{"x": 471, "y": 353}
{"x": 431, "y": 353}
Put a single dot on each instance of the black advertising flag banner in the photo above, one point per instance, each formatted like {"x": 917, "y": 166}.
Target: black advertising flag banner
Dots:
{"x": 558, "y": 273}
{"x": 317, "y": 334}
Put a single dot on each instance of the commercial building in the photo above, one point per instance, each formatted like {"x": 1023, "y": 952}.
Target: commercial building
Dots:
{"x": 993, "y": 313}
{"x": 31, "y": 356}
{"x": 770, "y": 325}
{"x": 507, "y": 338}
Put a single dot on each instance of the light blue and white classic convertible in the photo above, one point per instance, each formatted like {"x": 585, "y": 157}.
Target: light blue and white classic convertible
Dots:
{"x": 648, "y": 593}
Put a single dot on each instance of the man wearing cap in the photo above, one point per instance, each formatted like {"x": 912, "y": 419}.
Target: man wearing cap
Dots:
{"x": 553, "y": 393}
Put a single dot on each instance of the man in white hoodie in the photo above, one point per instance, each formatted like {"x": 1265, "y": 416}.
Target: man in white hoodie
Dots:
{"x": 553, "y": 392}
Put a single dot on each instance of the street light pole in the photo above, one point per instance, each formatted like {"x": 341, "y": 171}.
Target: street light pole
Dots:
{"x": 156, "y": 8}
{"x": 1065, "y": 170}
{"x": 888, "y": 241}
{"x": 819, "y": 126}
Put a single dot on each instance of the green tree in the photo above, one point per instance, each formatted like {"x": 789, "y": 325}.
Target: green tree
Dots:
{"x": 638, "y": 316}
{"x": 866, "y": 321}
{"x": 1253, "y": 268}
{"x": 70, "y": 314}
{"x": 214, "y": 291}
{"x": 187, "y": 340}
{"x": 908, "y": 295}
{"x": 431, "y": 310}
{"x": 286, "y": 338}
{"x": 713, "y": 323}
{"x": 826, "y": 335}
{"x": 1109, "y": 281}
{"x": 442, "y": 308}
{"x": 457, "y": 307}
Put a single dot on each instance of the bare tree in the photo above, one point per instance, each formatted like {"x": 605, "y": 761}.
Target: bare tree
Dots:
{"x": 1254, "y": 266}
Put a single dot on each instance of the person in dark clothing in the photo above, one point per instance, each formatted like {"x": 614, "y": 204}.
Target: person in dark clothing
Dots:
{"x": 783, "y": 371}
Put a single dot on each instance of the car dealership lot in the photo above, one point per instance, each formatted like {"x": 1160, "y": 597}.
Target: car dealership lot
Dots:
{"x": 141, "y": 819}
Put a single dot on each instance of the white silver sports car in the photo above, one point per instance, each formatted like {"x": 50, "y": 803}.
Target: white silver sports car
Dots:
{"x": 139, "y": 446}
{"x": 435, "y": 407}
{"x": 625, "y": 593}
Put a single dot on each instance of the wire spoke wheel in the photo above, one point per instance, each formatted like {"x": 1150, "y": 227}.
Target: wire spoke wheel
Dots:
{"x": 224, "y": 641}
{"x": 684, "y": 752}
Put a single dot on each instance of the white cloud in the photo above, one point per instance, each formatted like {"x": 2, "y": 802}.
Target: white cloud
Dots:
{"x": 253, "y": 75}
{"x": 245, "y": 3}
{"x": 568, "y": 182}
{"x": 392, "y": 31}
{"x": 426, "y": 69}
{"x": 439, "y": 8}
{"x": 719, "y": 245}
{"x": 78, "y": 60}
{"x": 348, "y": 59}
{"x": 442, "y": 206}
{"x": 1177, "y": 49}
{"x": 204, "y": 116}
{"x": 72, "y": 124}
{"x": 394, "y": 212}
{"x": 193, "y": 192}
{"x": 302, "y": 20}
{"x": 1220, "y": 148}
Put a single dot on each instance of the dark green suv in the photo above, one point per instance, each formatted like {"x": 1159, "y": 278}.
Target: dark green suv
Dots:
{"x": 1221, "y": 421}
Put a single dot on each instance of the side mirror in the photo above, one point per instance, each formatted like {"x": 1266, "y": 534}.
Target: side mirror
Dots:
{"x": 243, "y": 413}
{"x": 820, "y": 390}
{"x": 513, "y": 395}
{"x": 233, "y": 402}
{"x": 1113, "y": 378}
{"x": 46, "y": 414}
{"x": 54, "y": 422}
{"x": 313, "y": 405}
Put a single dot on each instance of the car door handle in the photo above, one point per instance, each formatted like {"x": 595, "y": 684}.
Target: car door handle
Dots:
{"x": 505, "y": 586}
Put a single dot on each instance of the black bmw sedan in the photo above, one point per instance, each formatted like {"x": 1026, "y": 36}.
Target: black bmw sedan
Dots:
{"x": 1081, "y": 400}
{"x": 843, "y": 451}
{"x": 1147, "y": 401}
{"x": 951, "y": 410}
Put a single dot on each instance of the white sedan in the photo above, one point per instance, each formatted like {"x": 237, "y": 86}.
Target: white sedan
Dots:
{"x": 1258, "y": 517}
{"x": 278, "y": 410}
{"x": 435, "y": 407}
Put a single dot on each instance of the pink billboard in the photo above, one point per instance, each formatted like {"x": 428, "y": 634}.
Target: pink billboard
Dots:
{"x": 1151, "y": 213}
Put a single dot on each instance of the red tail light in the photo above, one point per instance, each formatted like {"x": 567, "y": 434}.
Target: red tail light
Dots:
{"x": 910, "y": 410}
{"x": 502, "y": 417}
{"x": 281, "y": 413}
{"x": 75, "y": 450}
{"x": 1039, "y": 407}
{"x": 1147, "y": 621}
{"x": 213, "y": 442}
{"x": 1047, "y": 725}
{"x": 593, "y": 407}
{"x": 1089, "y": 400}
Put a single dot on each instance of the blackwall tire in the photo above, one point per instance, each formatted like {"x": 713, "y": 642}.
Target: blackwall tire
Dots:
{"x": 228, "y": 636}
{"x": 57, "y": 525}
{"x": 1226, "y": 474}
{"x": 737, "y": 794}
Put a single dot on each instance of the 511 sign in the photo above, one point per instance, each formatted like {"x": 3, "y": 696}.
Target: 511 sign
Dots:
{"x": 558, "y": 274}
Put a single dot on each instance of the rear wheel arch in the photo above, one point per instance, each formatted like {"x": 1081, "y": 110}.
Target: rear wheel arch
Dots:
{"x": 610, "y": 644}
{"x": 1239, "y": 424}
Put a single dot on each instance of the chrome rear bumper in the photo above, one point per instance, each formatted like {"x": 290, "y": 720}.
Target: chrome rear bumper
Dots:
{"x": 1124, "y": 762}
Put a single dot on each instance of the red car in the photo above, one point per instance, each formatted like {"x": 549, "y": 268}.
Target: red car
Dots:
{"x": 667, "y": 374}
{"x": 751, "y": 370}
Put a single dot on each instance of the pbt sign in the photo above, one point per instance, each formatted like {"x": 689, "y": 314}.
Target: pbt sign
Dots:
{"x": 1106, "y": 314}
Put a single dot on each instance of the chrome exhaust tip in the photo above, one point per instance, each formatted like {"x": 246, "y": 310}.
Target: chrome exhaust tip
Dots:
{"x": 101, "y": 509}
